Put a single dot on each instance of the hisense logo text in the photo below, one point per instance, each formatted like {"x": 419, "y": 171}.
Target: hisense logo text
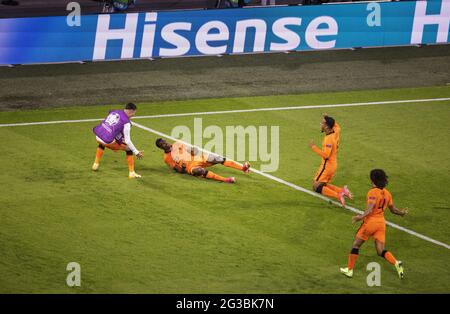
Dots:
{"x": 213, "y": 37}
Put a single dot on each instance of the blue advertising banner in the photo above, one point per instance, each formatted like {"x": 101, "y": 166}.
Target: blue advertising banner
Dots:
{"x": 213, "y": 32}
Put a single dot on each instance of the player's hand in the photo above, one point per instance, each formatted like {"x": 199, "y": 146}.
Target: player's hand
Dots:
{"x": 311, "y": 143}
{"x": 404, "y": 212}
{"x": 140, "y": 155}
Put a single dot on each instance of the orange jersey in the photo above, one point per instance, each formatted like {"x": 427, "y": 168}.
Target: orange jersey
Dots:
{"x": 176, "y": 165}
{"x": 175, "y": 158}
{"x": 380, "y": 198}
{"x": 181, "y": 159}
{"x": 329, "y": 149}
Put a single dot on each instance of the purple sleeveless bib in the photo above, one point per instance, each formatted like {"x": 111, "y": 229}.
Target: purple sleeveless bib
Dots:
{"x": 112, "y": 127}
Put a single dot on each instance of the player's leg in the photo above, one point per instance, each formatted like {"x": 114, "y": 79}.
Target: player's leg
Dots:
{"x": 130, "y": 161}
{"x": 321, "y": 187}
{"x": 230, "y": 163}
{"x": 388, "y": 256}
{"x": 335, "y": 188}
{"x": 327, "y": 191}
{"x": 362, "y": 235}
{"x": 321, "y": 181}
{"x": 352, "y": 257}
{"x": 344, "y": 190}
{"x": 354, "y": 253}
{"x": 322, "y": 184}
{"x": 202, "y": 172}
{"x": 98, "y": 156}
{"x": 128, "y": 157}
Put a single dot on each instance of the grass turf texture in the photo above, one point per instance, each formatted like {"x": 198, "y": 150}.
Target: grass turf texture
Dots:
{"x": 171, "y": 233}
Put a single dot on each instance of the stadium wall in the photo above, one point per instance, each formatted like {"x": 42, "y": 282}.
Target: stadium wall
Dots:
{"x": 197, "y": 33}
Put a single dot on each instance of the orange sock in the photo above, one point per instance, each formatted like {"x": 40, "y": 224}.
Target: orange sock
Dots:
{"x": 389, "y": 257}
{"x": 334, "y": 188}
{"x": 130, "y": 161}
{"x": 99, "y": 154}
{"x": 353, "y": 256}
{"x": 232, "y": 164}
{"x": 330, "y": 192}
{"x": 213, "y": 176}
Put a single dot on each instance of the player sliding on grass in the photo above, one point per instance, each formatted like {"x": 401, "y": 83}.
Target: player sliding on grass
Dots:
{"x": 328, "y": 166}
{"x": 374, "y": 225}
{"x": 186, "y": 159}
{"x": 114, "y": 133}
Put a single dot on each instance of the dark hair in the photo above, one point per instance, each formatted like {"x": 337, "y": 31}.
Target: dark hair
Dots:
{"x": 379, "y": 178}
{"x": 130, "y": 106}
{"x": 158, "y": 142}
{"x": 329, "y": 121}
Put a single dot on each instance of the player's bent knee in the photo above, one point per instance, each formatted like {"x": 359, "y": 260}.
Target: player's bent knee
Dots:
{"x": 199, "y": 172}
{"x": 382, "y": 253}
{"x": 318, "y": 188}
{"x": 101, "y": 146}
{"x": 129, "y": 152}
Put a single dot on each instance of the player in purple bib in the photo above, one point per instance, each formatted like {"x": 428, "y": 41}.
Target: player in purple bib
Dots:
{"x": 114, "y": 133}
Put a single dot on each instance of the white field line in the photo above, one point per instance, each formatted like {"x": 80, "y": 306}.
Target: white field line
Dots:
{"x": 240, "y": 111}
{"x": 299, "y": 188}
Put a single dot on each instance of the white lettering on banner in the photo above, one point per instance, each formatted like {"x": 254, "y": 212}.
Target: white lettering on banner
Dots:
{"x": 241, "y": 31}
{"x": 211, "y": 31}
{"x": 312, "y": 31}
{"x": 104, "y": 33}
{"x": 148, "y": 37}
{"x": 292, "y": 38}
{"x": 204, "y": 36}
{"x": 181, "y": 43}
{"x": 421, "y": 18}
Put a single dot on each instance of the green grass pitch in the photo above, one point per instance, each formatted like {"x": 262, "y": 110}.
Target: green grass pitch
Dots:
{"x": 172, "y": 233}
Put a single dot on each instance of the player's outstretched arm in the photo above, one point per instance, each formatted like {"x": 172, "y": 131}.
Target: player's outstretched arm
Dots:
{"x": 127, "y": 138}
{"x": 396, "y": 211}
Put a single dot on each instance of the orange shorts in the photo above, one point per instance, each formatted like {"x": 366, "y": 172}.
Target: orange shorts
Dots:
{"x": 375, "y": 229}
{"x": 325, "y": 173}
{"x": 197, "y": 164}
{"x": 114, "y": 146}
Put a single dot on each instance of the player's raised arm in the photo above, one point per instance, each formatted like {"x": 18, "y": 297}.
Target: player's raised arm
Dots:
{"x": 127, "y": 139}
{"x": 325, "y": 154}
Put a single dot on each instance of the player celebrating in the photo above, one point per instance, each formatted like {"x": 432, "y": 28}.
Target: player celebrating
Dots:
{"x": 374, "y": 225}
{"x": 328, "y": 166}
{"x": 114, "y": 133}
{"x": 186, "y": 159}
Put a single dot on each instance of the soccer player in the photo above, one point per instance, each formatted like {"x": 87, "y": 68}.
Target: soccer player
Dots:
{"x": 114, "y": 133}
{"x": 328, "y": 166}
{"x": 186, "y": 159}
{"x": 374, "y": 225}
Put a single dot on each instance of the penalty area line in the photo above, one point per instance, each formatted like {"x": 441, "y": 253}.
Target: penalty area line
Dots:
{"x": 301, "y": 189}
